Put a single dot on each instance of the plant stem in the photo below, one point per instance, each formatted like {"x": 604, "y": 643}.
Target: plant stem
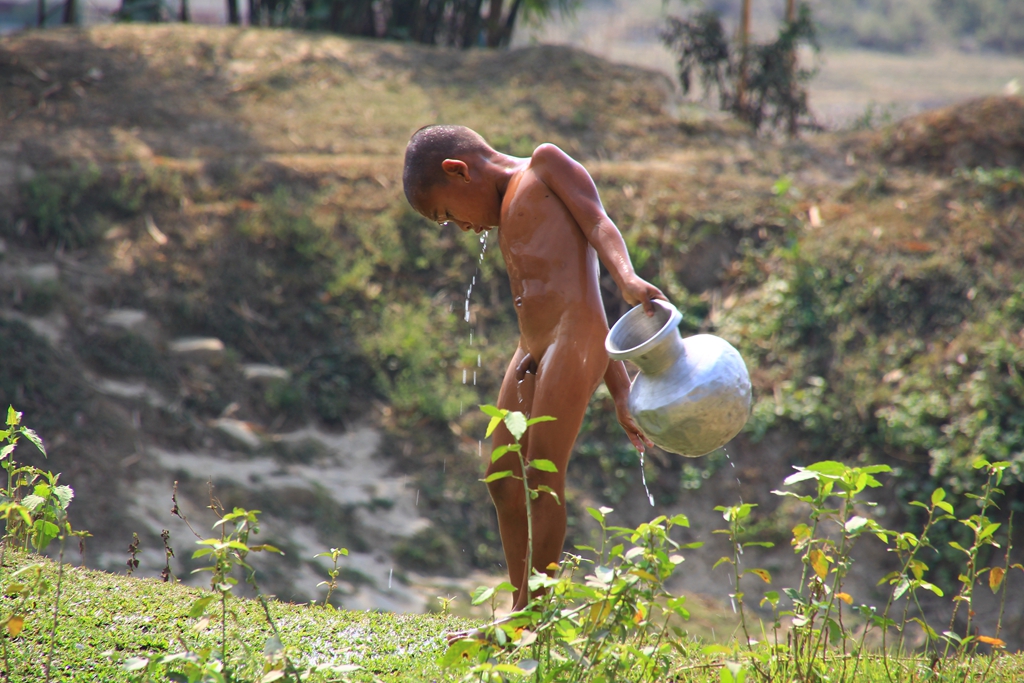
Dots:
{"x": 56, "y": 605}
{"x": 529, "y": 525}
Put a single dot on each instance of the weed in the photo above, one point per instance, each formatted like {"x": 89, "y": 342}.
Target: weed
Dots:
{"x": 53, "y": 201}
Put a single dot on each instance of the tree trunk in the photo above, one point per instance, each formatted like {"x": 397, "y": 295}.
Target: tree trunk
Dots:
{"x": 494, "y": 23}
{"x": 254, "y": 12}
{"x": 510, "y": 22}
{"x": 184, "y": 12}
{"x": 744, "y": 39}
{"x": 471, "y": 24}
{"x": 792, "y": 127}
{"x": 233, "y": 14}
{"x": 41, "y": 12}
{"x": 70, "y": 12}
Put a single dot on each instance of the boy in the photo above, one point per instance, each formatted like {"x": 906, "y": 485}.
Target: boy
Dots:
{"x": 553, "y": 229}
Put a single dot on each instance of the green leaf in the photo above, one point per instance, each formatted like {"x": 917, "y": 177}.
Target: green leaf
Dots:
{"x": 491, "y": 426}
{"x": 929, "y": 631}
{"x": 13, "y": 416}
{"x": 547, "y": 489}
{"x": 829, "y": 468}
{"x": 199, "y": 606}
{"x": 6, "y": 450}
{"x": 498, "y": 452}
{"x": 135, "y": 663}
{"x": 34, "y": 438}
{"x": 459, "y": 651}
{"x": 596, "y": 514}
{"x": 44, "y": 531}
{"x": 802, "y": 475}
{"x": 497, "y": 475}
{"x": 32, "y": 501}
{"x": 64, "y": 494}
{"x": 493, "y": 411}
{"x": 482, "y": 594}
{"x": 855, "y": 523}
{"x": 543, "y": 465}
{"x": 516, "y": 423}
{"x": 543, "y": 418}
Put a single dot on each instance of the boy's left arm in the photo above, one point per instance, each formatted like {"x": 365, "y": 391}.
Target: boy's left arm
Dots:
{"x": 617, "y": 381}
{"x": 573, "y": 185}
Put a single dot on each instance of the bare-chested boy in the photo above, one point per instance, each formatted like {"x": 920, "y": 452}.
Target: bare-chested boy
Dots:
{"x": 553, "y": 229}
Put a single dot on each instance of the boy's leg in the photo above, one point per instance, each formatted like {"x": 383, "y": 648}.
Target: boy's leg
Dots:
{"x": 507, "y": 493}
{"x": 566, "y": 377}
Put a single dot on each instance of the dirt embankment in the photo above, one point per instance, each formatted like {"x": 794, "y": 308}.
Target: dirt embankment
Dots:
{"x": 210, "y": 273}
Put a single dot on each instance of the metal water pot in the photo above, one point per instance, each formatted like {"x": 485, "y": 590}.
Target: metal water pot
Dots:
{"x": 692, "y": 395}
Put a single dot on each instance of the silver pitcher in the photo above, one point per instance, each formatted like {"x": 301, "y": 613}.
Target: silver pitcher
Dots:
{"x": 692, "y": 395}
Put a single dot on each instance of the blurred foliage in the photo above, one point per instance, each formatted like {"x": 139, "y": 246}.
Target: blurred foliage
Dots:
{"x": 774, "y": 92}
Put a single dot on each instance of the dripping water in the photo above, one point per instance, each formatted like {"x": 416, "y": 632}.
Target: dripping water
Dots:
{"x": 391, "y": 573}
{"x": 417, "y": 504}
{"x": 643, "y": 476}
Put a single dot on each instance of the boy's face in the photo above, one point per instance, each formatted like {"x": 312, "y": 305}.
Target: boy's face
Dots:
{"x": 464, "y": 201}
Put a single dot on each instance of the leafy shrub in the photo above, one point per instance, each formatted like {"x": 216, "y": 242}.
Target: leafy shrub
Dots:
{"x": 56, "y": 204}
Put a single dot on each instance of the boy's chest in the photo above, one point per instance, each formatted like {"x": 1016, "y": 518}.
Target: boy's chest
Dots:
{"x": 534, "y": 220}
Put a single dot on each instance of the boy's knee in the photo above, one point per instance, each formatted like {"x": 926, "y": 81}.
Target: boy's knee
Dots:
{"x": 506, "y": 493}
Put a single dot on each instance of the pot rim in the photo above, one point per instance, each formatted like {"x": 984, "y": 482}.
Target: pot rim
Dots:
{"x": 614, "y": 352}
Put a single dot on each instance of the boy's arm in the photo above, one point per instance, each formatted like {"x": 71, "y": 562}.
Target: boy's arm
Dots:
{"x": 617, "y": 381}
{"x": 570, "y": 181}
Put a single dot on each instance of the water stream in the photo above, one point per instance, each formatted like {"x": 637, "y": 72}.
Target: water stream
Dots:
{"x": 643, "y": 476}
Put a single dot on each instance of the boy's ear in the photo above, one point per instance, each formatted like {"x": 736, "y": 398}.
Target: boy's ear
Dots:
{"x": 456, "y": 167}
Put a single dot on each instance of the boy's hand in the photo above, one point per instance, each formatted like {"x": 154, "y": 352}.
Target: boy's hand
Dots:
{"x": 639, "y": 291}
{"x": 636, "y": 437}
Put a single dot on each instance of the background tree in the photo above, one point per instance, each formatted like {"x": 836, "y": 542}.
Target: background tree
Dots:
{"x": 760, "y": 83}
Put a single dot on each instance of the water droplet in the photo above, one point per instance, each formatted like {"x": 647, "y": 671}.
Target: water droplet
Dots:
{"x": 732, "y": 599}
{"x": 478, "y": 360}
{"x": 470, "y": 338}
{"x": 474, "y": 378}
{"x": 444, "y": 465}
{"x": 519, "y": 390}
{"x": 479, "y": 449}
{"x": 417, "y": 504}
{"x": 391, "y": 573}
{"x": 463, "y": 375}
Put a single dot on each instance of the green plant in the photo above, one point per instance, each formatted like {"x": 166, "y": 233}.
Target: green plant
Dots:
{"x": 334, "y": 554}
{"x": 618, "y": 624}
{"x": 216, "y": 664}
{"x": 53, "y": 201}
{"x": 517, "y": 424}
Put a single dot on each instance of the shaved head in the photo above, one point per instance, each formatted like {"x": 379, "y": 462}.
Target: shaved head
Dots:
{"x": 428, "y": 147}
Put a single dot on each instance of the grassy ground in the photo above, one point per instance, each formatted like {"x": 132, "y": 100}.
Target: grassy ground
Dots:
{"x": 105, "y": 620}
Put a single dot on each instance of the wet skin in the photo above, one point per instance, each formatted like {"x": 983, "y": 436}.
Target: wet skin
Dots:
{"x": 553, "y": 229}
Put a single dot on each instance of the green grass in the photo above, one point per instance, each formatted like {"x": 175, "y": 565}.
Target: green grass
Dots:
{"x": 106, "y": 619}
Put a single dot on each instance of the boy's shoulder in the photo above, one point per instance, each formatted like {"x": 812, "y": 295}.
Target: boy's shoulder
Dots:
{"x": 548, "y": 153}
{"x": 550, "y": 163}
